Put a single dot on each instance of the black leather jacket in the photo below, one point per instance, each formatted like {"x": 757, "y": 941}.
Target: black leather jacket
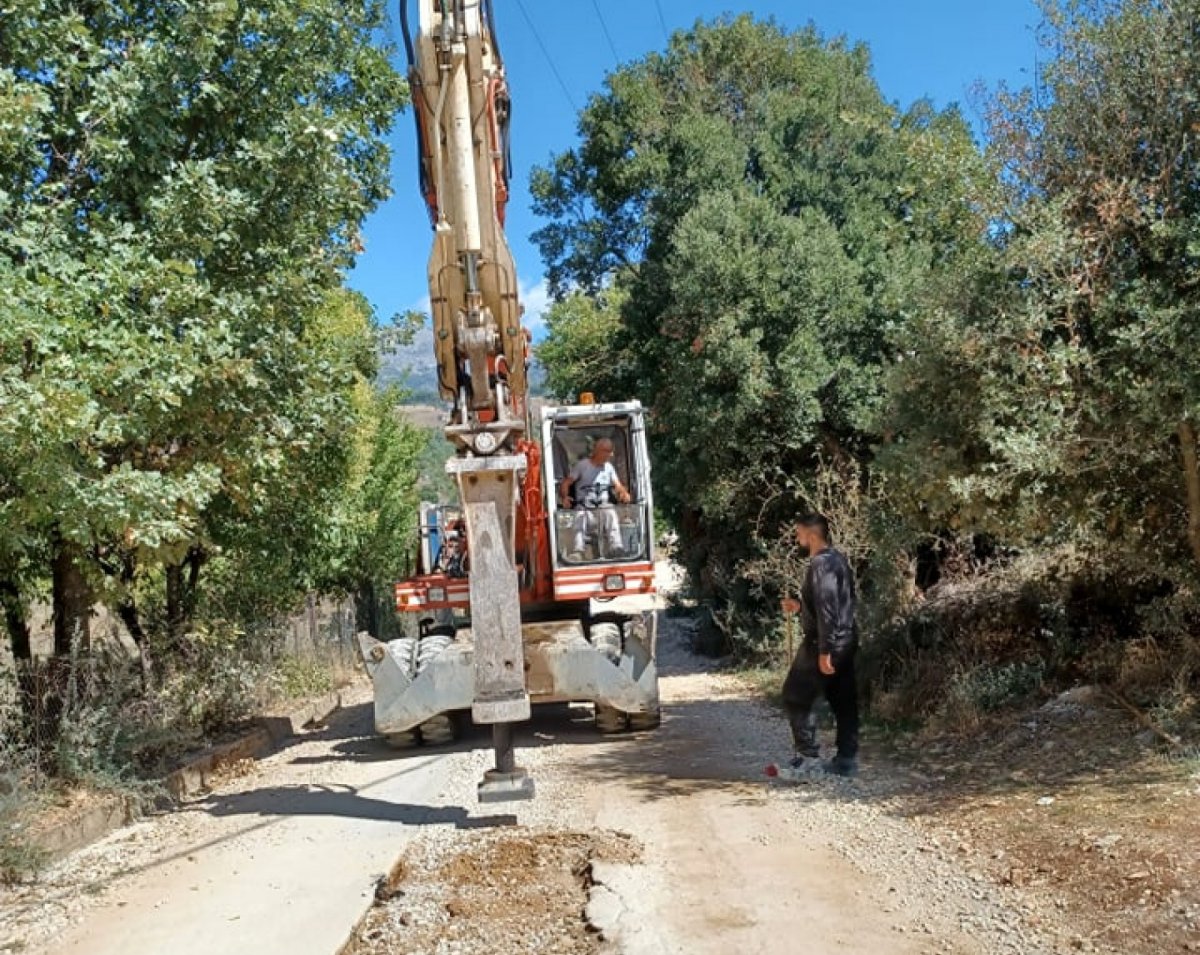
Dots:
{"x": 829, "y": 601}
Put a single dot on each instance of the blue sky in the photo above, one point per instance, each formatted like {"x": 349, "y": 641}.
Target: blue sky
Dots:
{"x": 939, "y": 49}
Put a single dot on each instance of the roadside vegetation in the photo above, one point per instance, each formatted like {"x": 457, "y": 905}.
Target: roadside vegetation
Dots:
{"x": 191, "y": 439}
{"x": 974, "y": 358}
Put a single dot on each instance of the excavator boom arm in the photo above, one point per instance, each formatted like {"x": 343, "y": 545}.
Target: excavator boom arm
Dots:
{"x": 462, "y": 110}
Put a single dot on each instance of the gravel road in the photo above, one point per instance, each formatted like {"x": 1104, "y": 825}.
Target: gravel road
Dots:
{"x": 664, "y": 842}
{"x": 726, "y": 861}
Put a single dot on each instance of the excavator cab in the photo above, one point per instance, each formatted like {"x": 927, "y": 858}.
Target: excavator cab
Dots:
{"x": 594, "y": 537}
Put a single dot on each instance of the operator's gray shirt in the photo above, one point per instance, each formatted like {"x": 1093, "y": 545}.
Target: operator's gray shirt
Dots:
{"x": 593, "y": 481}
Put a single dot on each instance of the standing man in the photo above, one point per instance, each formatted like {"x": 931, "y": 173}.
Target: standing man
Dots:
{"x": 825, "y": 661}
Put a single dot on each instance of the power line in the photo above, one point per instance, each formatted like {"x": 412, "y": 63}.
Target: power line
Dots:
{"x": 546, "y": 53}
{"x": 662, "y": 21}
{"x": 608, "y": 36}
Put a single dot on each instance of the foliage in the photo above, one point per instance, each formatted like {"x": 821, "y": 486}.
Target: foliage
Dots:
{"x": 1045, "y": 399}
{"x": 180, "y": 192}
{"x": 747, "y": 224}
{"x": 434, "y": 484}
{"x": 19, "y": 857}
{"x": 577, "y": 351}
{"x": 378, "y": 517}
{"x": 187, "y": 429}
{"x": 984, "y": 352}
{"x": 300, "y": 678}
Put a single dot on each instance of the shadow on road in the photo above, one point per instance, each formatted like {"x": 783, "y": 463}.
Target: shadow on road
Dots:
{"x": 346, "y": 801}
{"x": 552, "y": 725}
{"x": 716, "y": 734}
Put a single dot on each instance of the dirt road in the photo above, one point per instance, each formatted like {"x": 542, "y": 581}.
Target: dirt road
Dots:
{"x": 669, "y": 842}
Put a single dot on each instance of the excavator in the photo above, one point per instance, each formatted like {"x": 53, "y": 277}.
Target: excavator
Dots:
{"x": 518, "y": 588}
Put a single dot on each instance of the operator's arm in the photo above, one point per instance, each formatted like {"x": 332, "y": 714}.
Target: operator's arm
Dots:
{"x": 564, "y": 487}
{"x": 623, "y": 496}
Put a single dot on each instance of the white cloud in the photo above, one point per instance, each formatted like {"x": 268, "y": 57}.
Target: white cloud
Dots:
{"x": 424, "y": 306}
{"x": 536, "y": 299}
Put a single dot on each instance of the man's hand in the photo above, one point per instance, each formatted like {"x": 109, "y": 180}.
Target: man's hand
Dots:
{"x": 790, "y": 605}
{"x": 825, "y": 662}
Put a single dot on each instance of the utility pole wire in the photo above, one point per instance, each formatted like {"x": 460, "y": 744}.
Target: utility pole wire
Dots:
{"x": 608, "y": 36}
{"x": 662, "y": 21}
{"x": 546, "y": 53}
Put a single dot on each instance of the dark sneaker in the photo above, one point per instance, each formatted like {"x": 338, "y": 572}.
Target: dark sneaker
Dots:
{"x": 805, "y": 761}
{"x": 842, "y": 766}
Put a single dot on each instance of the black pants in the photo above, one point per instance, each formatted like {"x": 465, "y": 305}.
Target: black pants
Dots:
{"x": 804, "y": 685}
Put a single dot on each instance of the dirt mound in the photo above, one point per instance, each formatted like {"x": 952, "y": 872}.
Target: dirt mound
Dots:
{"x": 512, "y": 890}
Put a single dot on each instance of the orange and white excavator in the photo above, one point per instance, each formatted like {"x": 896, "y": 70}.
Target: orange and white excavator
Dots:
{"x": 517, "y": 587}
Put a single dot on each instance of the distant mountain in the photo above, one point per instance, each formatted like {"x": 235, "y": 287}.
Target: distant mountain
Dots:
{"x": 414, "y": 368}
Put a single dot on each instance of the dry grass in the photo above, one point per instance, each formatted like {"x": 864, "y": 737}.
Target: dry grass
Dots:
{"x": 1073, "y": 802}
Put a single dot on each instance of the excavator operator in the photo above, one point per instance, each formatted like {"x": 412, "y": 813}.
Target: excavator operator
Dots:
{"x": 594, "y": 483}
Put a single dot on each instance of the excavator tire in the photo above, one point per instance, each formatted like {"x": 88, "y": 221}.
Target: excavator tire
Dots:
{"x": 645, "y": 721}
{"x": 610, "y": 720}
{"x": 605, "y": 636}
{"x": 437, "y": 730}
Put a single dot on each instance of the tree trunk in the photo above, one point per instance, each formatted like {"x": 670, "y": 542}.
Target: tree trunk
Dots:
{"x": 365, "y": 610}
{"x": 183, "y": 584}
{"x": 196, "y": 558}
{"x": 1191, "y": 477}
{"x": 15, "y": 622}
{"x": 174, "y": 575}
{"x": 128, "y": 612}
{"x": 71, "y": 600}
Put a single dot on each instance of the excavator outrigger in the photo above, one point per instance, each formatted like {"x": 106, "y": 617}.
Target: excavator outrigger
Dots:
{"x": 531, "y": 565}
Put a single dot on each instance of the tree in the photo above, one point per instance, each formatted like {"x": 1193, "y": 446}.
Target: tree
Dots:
{"x": 381, "y": 529}
{"x": 578, "y": 352}
{"x": 755, "y": 223}
{"x": 1047, "y": 397}
{"x": 181, "y": 185}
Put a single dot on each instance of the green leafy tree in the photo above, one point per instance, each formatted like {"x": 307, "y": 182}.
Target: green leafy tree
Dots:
{"x": 378, "y": 525}
{"x": 758, "y": 223}
{"x": 1048, "y": 398}
{"x": 578, "y": 353}
{"x": 181, "y": 185}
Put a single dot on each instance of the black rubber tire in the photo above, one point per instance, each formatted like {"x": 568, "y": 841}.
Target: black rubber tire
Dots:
{"x": 610, "y": 720}
{"x": 406, "y": 740}
{"x": 438, "y": 730}
{"x": 645, "y": 721}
